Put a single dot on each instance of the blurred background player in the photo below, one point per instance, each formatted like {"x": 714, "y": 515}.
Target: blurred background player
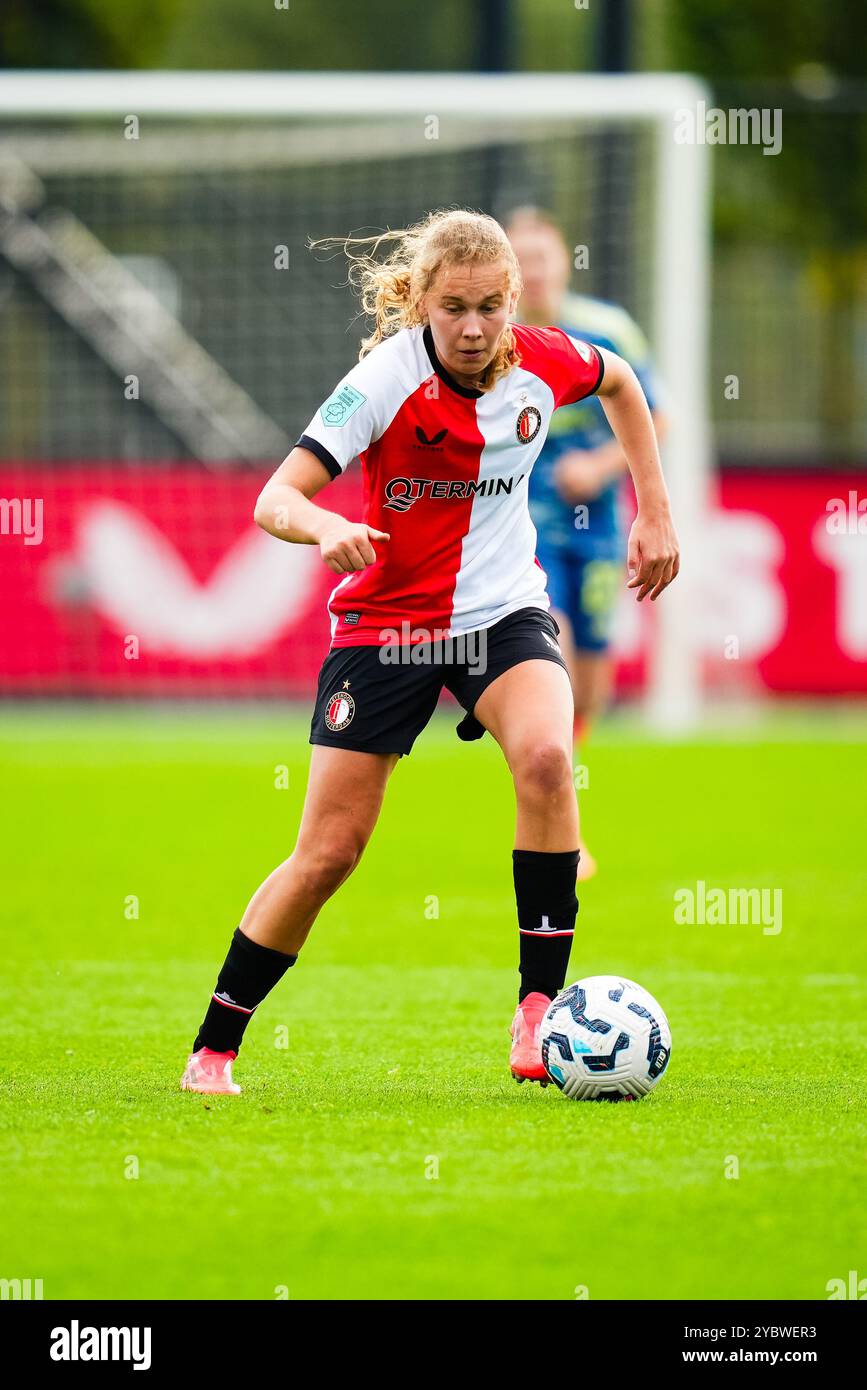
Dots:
{"x": 583, "y": 552}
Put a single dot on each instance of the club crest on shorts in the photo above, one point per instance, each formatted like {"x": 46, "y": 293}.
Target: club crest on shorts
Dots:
{"x": 339, "y": 710}
{"x": 528, "y": 424}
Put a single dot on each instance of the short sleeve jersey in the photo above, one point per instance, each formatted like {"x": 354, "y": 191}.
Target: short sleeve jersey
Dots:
{"x": 445, "y": 472}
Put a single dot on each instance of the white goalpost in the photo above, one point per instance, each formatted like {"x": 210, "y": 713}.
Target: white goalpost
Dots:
{"x": 341, "y": 149}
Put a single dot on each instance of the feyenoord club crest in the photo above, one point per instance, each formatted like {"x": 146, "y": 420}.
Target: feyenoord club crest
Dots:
{"x": 528, "y": 424}
{"x": 339, "y": 711}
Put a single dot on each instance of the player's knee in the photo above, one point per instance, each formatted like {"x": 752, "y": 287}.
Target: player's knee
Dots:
{"x": 543, "y": 770}
{"x": 333, "y": 861}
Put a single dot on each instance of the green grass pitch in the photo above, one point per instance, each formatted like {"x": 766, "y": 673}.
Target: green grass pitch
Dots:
{"x": 384, "y": 1151}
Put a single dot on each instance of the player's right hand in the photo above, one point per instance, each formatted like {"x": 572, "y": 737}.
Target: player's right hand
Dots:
{"x": 347, "y": 546}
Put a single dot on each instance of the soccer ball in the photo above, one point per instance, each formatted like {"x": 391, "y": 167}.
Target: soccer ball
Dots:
{"x": 605, "y": 1038}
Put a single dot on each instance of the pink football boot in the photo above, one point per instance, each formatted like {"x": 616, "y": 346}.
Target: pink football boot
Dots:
{"x": 526, "y": 1056}
{"x": 210, "y": 1073}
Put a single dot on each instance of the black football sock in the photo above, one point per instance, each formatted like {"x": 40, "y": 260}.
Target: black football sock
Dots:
{"x": 249, "y": 972}
{"x": 547, "y": 908}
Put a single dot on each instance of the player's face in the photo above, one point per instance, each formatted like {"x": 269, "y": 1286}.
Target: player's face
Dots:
{"x": 544, "y": 263}
{"x": 468, "y": 306}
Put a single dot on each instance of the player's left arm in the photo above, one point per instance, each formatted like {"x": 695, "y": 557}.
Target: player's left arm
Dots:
{"x": 653, "y": 556}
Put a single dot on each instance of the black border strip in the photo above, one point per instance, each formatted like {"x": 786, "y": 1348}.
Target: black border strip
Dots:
{"x": 601, "y": 375}
{"x": 308, "y": 442}
{"x": 441, "y": 372}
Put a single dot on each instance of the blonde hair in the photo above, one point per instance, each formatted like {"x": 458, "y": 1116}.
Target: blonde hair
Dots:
{"x": 392, "y": 290}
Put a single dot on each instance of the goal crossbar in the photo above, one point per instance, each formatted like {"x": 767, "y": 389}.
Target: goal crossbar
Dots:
{"x": 680, "y": 234}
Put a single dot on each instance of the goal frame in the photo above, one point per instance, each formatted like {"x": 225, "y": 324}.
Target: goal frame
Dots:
{"x": 680, "y": 295}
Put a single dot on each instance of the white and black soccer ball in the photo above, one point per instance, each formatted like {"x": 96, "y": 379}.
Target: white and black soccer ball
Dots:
{"x": 605, "y": 1038}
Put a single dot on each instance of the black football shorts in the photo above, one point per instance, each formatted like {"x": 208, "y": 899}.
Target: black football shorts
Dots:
{"x": 375, "y": 700}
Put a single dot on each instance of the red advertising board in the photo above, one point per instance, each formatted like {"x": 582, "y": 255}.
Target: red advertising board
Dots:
{"x": 155, "y": 581}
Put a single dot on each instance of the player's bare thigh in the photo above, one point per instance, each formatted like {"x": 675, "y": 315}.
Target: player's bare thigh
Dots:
{"x": 529, "y": 711}
{"x": 345, "y": 791}
{"x": 527, "y": 706}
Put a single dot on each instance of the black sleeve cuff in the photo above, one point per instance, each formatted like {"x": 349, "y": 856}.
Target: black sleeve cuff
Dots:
{"x": 601, "y": 370}
{"x": 308, "y": 442}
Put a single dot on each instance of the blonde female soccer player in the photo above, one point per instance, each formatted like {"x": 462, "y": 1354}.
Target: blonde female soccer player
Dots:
{"x": 439, "y": 585}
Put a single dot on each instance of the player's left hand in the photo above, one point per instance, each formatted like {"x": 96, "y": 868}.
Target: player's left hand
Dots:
{"x": 578, "y": 476}
{"x": 653, "y": 557}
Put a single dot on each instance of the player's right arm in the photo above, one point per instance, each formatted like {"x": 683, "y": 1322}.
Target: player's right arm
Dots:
{"x": 354, "y": 415}
{"x": 286, "y": 510}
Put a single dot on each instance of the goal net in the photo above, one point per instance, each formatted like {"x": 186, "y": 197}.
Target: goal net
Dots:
{"x": 169, "y": 333}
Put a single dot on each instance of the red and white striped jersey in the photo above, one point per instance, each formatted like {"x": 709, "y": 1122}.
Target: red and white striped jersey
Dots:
{"x": 445, "y": 472}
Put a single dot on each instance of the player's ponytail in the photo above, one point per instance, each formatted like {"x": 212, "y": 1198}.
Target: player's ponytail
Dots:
{"x": 392, "y": 289}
